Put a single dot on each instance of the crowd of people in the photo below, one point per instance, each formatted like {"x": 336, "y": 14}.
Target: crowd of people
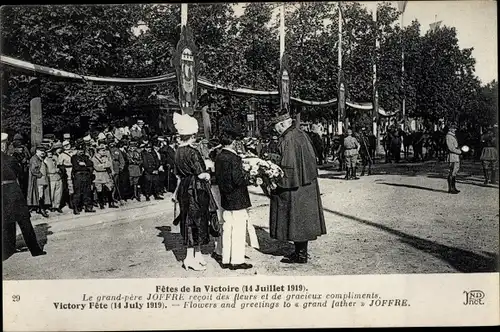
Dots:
{"x": 98, "y": 170}
{"x": 111, "y": 165}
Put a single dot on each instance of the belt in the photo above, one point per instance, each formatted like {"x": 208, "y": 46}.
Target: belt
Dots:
{"x": 351, "y": 148}
{"x": 8, "y": 182}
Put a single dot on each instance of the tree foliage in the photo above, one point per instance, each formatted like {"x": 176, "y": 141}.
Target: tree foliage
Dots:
{"x": 238, "y": 51}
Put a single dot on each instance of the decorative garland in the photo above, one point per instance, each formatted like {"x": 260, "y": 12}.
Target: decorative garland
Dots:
{"x": 170, "y": 77}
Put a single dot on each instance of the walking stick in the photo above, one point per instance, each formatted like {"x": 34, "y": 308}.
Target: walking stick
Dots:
{"x": 168, "y": 177}
{"x": 116, "y": 187}
{"x": 367, "y": 152}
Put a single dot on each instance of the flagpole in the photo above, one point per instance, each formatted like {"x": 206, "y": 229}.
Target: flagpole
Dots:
{"x": 340, "y": 117}
{"x": 282, "y": 30}
{"x": 375, "y": 114}
{"x": 403, "y": 126}
{"x": 184, "y": 14}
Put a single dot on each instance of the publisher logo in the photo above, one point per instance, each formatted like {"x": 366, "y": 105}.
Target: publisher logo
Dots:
{"x": 474, "y": 297}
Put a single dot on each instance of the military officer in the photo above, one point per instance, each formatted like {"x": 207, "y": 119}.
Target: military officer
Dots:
{"x": 103, "y": 172}
{"x": 351, "y": 152}
{"x": 82, "y": 168}
{"x": 135, "y": 169}
{"x": 453, "y": 158}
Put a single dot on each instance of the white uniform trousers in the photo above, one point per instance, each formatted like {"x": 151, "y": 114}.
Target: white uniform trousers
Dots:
{"x": 55, "y": 191}
{"x": 234, "y": 236}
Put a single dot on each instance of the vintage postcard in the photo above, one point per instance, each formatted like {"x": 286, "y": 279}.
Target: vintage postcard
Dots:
{"x": 175, "y": 166}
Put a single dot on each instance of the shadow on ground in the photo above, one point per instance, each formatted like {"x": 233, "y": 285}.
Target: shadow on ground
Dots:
{"x": 460, "y": 259}
{"x": 42, "y": 232}
{"x": 412, "y": 187}
{"x": 470, "y": 173}
{"x": 175, "y": 243}
{"x": 270, "y": 246}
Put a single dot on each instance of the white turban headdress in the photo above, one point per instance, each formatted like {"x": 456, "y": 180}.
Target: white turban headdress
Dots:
{"x": 185, "y": 124}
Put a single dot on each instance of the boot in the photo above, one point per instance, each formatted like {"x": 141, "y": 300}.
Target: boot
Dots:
{"x": 300, "y": 255}
{"x": 41, "y": 210}
{"x": 70, "y": 201}
{"x": 89, "y": 208}
{"x": 363, "y": 171}
{"x": 191, "y": 263}
{"x": 137, "y": 194}
{"x": 347, "y": 173}
{"x": 95, "y": 198}
{"x": 450, "y": 186}
{"x": 354, "y": 174}
{"x": 111, "y": 202}
{"x": 486, "y": 176}
{"x": 493, "y": 176}
{"x": 100, "y": 198}
{"x": 454, "y": 189}
{"x": 369, "y": 170}
{"x": 199, "y": 258}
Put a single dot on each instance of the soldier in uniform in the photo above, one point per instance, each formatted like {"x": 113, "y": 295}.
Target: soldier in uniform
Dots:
{"x": 22, "y": 155}
{"x": 168, "y": 151}
{"x": 54, "y": 178}
{"x": 135, "y": 169}
{"x": 351, "y": 152}
{"x": 38, "y": 183}
{"x": 118, "y": 167}
{"x": 489, "y": 156}
{"x": 103, "y": 180}
{"x": 364, "y": 152}
{"x": 453, "y": 158}
{"x": 82, "y": 168}
{"x": 14, "y": 208}
{"x": 64, "y": 163}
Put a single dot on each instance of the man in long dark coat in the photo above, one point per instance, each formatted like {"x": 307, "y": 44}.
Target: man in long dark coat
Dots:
{"x": 151, "y": 165}
{"x": 296, "y": 209}
{"x": 14, "y": 208}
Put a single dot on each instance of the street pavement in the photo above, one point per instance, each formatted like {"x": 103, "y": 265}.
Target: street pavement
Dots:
{"x": 399, "y": 220}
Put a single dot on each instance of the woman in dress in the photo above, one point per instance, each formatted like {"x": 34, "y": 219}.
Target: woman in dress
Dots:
{"x": 197, "y": 205}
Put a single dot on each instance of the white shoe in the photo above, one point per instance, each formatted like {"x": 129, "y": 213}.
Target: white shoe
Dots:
{"x": 200, "y": 259}
{"x": 193, "y": 264}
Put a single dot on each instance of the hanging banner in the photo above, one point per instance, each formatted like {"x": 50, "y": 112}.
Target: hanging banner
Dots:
{"x": 285, "y": 83}
{"x": 342, "y": 96}
{"x": 186, "y": 66}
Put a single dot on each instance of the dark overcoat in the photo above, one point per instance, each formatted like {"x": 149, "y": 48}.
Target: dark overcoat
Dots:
{"x": 296, "y": 209}
{"x": 37, "y": 177}
{"x": 14, "y": 206}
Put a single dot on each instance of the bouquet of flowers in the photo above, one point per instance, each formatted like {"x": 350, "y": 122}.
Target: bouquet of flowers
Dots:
{"x": 263, "y": 173}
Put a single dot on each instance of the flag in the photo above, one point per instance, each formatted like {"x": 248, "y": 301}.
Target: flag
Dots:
{"x": 402, "y": 5}
{"x": 434, "y": 26}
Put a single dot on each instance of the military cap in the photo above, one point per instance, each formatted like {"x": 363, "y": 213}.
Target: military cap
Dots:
{"x": 280, "y": 118}
{"x": 56, "y": 146}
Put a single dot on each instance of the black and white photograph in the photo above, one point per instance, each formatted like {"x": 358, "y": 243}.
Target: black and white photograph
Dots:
{"x": 267, "y": 139}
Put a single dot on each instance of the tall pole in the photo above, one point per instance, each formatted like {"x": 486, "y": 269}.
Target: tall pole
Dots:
{"x": 282, "y": 53}
{"x": 184, "y": 14}
{"x": 375, "y": 89}
{"x": 282, "y": 30}
{"x": 340, "y": 116}
{"x": 35, "y": 112}
{"x": 403, "y": 126}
